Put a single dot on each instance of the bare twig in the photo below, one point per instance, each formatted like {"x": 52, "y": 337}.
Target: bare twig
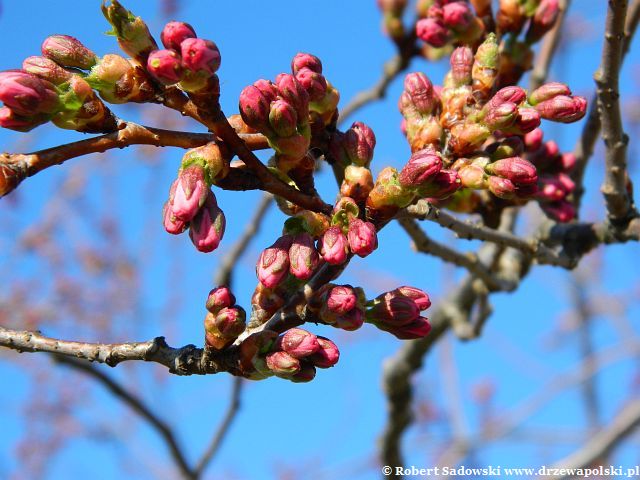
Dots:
{"x": 139, "y": 407}
{"x": 548, "y": 48}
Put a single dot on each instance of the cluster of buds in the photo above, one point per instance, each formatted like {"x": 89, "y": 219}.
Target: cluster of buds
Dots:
{"x": 445, "y": 22}
{"x": 323, "y": 97}
{"x": 191, "y": 202}
{"x": 186, "y": 60}
{"x": 224, "y": 321}
{"x": 398, "y": 312}
{"x": 392, "y": 11}
{"x": 533, "y": 17}
{"x": 347, "y": 234}
{"x": 341, "y": 306}
{"x": 294, "y": 355}
{"x": 293, "y": 254}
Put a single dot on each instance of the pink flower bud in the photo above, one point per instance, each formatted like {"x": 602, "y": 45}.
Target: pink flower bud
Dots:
{"x": 420, "y": 297}
{"x": 568, "y": 161}
{"x": 566, "y": 182}
{"x": 27, "y": 95}
{"x": 174, "y": 33}
{"x": 421, "y": 168}
{"x": 560, "y": 211}
{"x": 313, "y": 82}
{"x": 12, "y": 121}
{"x": 172, "y": 225}
{"x": 303, "y": 256}
{"x": 362, "y": 237}
{"x": 306, "y": 374}
{"x": 46, "y": 69}
{"x": 548, "y": 91}
{"x": 502, "y": 116}
{"x": 282, "y": 364}
{"x": 255, "y": 107}
{"x": 306, "y": 60}
{"x": 292, "y": 91}
{"x": 562, "y": 108}
{"x": 359, "y": 142}
{"x": 273, "y": 264}
{"x": 501, "y": 187}
{"x": 350, "y": 321}
{"x": 283, "y": 118}
{"x": 220, "y": 297}
{"x": 533, "y": 140}
{"x": 357, "y": 183}
{"x": 230, "y": 321}
{"x": 199, "y": 55}
{"x": 392, "y": 308}
{"x": 527, "y": 120}
{"x": 518, "y": 170}
{"x": 432, "y": 31}
{"x": 457, "y": 15}
{"x": 68, "y": 52}
{"x": 207, "y": 227}
{"x": 419, "y": 328}
{"x": 327, "y": 356}
{"x": 461, "y": 64}
{"x": 298, "y": 343}
{"x": 551, "y": 189}
{"x": 165, "y": 66}
{"x": 341, "y": 299}
{"x": 543, "y": 20}
{"x": 444, "y": 184}
{"x": 334, "y": 246}
{"x": 420, "y": 94}
{"x": 191, "y": 193}
{"x": 511, "y": 94}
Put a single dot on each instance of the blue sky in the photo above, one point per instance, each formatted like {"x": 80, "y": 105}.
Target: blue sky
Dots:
{"x": 328, "y": 428}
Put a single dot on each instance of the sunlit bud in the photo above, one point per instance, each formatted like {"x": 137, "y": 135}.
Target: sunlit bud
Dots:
{"x": 467, "y": 137}
{"x": 563, "y": 109}
{"x": 472, "y": 176}
{"x": 568, "y": 161}
{"x": 303, "y": 256}
{"x": 230, "y": 321}
{"x": 255, "y": 107}
{"x": 292, "y": 91}
{"x": 298, "y": 343}
{"x": 191, "y": 192}
{"x": 109, "y": 70}
{"x": 345, "y": 210}
{"x": 283, "y": 118}
{"x": 68, "y": 51}
{"x": 132, "y": 33}
{"x": 543, "y": 20}
{"x": 419, "y": 94}
{"x": 306, "y": 374}
{"x": 419, "y": 328}
{"x": 444, "y": 184}
{"x": 207, "y": 227}
{"x": 511, "y": 16}
{"x": 432, "y": 31}
{"x": 253, "y": 346}
{"x": 389, "y": 192}
{"x": 392, "y": 308}
{"x": 27, "y": 95}
{"x": 359, "y": 143}
{"x": 485, "y": 66}
{"x": 362, "y": 237}
{"x": 424, "y": 132}
{"x": 210, "y": 158}
{"x": 199, "y": 55}
{"x": 512, "y": 94}
{"x": 306, "y": 60}
{"x": 12, "y": 121}
{"x": 327, "y": 356}
{"x": 548, "y": 91}
{"x": 46, "y": 69}
{"x": 560, "y": 211}
{"x": 341, "y": 299}
{"x": 420, "y": 297}
{"x": 457, "y": 15}
{"x": 357, "y": 183}
{"x": 282, "y": 364}
{"x": 313, "y": 82}
{"x": 172, "y": 225}
{"x": 10, "y": 177}
{"x": 273, "y": 264}
{"x": 461, "y": 65}
{"x": 551, "y": 189}
{"x": 165, "y": 66}
{"x": 334, "y": 246}
{"x": 220, "y": 297}
{"x": 502, "y": 116}
{"x": 527, "y": 120}
{"x": 350, "y": 321}
{"x": 421, "y": 168}
{"x": 501, "y": 187}
{"x": 518, "y": 170}
{"x": 533, "y": 139}
{"x": 174, "y": 33}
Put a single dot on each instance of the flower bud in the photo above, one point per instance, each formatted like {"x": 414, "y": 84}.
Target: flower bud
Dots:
{"x": 199, "y": 55}
{"x": 210, "y": 158}
{"x": 419, "y": 94}
{"x": 254, "y": 346}
{"x": 283, "y": 118}
{"x": 388, "y": 193}
{"x": 273, "y": 264}
{"x": 350, "y": 321}
{"x": 533, "y": 140}
{"x": 461, "y": 64}
{"x": 467, "y": 137}
{"x": 306, "y": 60}
{"x": 563, "y": 109}
{"x": 420, "y": 297}
{"x": 518, "y": 170}
{"x": 174, "y": 33}
{"x": 132, "y": 33}
{"x": 303, "y": 257}
{"x": 511, "y": 94}
{"x": 562, "y": 212}
{"x": 172, "y": 225}
{"x": 231, "y": 321}
{"x": 282, "y": 364}
{"x": 68, "y": 51}
{"x": 457, "y": 15}
{"x": 292, "y": 91}
{"x": 109, "y": 70}
{"x": 392, "y": 308}
{"x": 485, "y": 66}
{"x": 422, "y": 166}
{"x": 313, "y": 82}
{"x": 528, "y": 119}
{"x": 298, "y": 343}
{"x": 444, "y": 184}
{"x": 543, "y": 20}
{"x": 220, "y": 297}
{"x": 432, "y": 31}
{"x": 357, "y": 183}
{"x": 10, "y": 176}
{"x": 511, "y": 16}
{"x": 255, "y": 107}
{"x": 548, "y": 91}
{"x": 12, "y": 121}
{"x": 341, "y": 299}
{"x": 207, "y": 227}
{"x": 419, "y": 328}
{"x": 327, "y": 356}
{"x": 568, "y": 161}
{"x": 472, "y": 176}
{"x": 501, "y": 117}
{"x": 165, "y": 66}
{"x": 191, "y": 192}
{"x": 501, "y": 187}
{"x": 334, "y": 246}
{"x": 362, "y": 237}
{"x": 359, "y": 142}
{"x": 46, "y": 69}
{"x": 27, "y": 95}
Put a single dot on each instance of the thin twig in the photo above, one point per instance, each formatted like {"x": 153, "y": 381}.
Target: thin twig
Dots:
{"x": 139, "y": 407}
{"x": 548, "y": 48}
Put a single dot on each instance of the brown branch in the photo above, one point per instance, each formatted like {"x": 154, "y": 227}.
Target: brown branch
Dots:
{"x": 548, "y": 49}
{"x": 603, "y": 442}
{"x": 614, "y": 188}
{"x": 223, "y": 429}
{"x": 139, "y": 407}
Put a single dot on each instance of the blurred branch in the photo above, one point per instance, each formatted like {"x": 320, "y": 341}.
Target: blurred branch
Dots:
{"x": 138, "y": 406}
{"x": 216, "y": 441}
{"x": 603, "y": 442}
{"x": 548, "y": 49}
